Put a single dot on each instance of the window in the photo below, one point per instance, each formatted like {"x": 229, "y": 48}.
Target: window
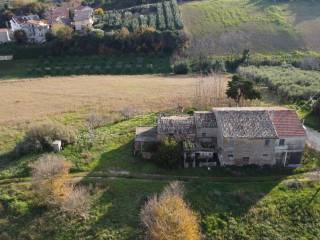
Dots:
{"x": 265, "y": 155}
{"x": 230, "y": 156}
{"x": 245, "y": 160}
{"x": 281, "y": 142}
{"x": 204, "y": 134}
{"x": 267, "y": 142}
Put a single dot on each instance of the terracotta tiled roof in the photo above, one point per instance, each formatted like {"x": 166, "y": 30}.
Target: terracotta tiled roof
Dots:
{"x": 287, "y": 123}
{"x": 245, "y": 123}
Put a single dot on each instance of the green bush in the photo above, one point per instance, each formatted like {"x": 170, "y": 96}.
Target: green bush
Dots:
{"x": 18, "y": 208}
{"x": 40, "y": 138}
{"x": 181, "y": 68}
{"x": 316, "y": 107}
{"x": 168, "y": 154}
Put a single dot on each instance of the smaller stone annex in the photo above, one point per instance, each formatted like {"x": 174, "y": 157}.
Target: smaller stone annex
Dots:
{"x": 230, "y": 136}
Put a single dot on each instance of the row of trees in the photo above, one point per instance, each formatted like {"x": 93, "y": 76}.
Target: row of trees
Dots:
{"x": 62, "y": 41}
{"x": 161, "y": 16}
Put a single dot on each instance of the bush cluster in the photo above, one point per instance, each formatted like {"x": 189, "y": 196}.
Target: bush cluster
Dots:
{"x": 52, "y": 188}
{"x": 39, "y": 138}
{"x": 181, "y": 68}
{"x": 168, "y": 154}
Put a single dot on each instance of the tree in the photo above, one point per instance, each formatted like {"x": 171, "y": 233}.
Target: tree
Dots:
{"x": 51, "y": 185}
{"x": 168, "y": 154}
{"x": 168, "y": 217}
{"x": 62, "y": 31}
{"x": 98, "y": 11}
{"x": 239, "y": 89}
{"x": 20, "y": 36}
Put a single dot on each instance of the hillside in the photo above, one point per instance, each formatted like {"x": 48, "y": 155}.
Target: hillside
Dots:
{"x": 229, "y": 26}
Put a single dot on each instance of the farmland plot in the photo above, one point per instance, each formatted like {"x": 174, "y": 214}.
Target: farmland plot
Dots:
{"x": 288, "y": 82}
{"x": 161, "y": 16}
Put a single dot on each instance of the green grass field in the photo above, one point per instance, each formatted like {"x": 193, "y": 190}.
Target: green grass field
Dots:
{"x": 234, "y": 203}
{"x": 226, "y": 210}
{"x": 229, "y": 26}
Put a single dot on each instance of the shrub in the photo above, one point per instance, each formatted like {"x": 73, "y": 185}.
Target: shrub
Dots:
{"x": 49, "y": 166}
{"x": 76, "y": 202}
{"x": 168, "y": 216}
{"x": 168, "y": 154}
{"x": 293, "y": 184}
{"x": 316, "y": 107}
{"x": 39, "y": 138}
{"x": 18, "y": 208}
{"x": 48, "y": 174}
{"x": 181, "y": 68}
{"x": 94, "y": 120}
{"x": 50, "y": 184}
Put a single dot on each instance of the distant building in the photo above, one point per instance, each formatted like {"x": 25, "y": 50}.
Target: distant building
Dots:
{"x": 58, "y": 15}
{"x": 83, "y": 18}
{"x": 4, "y": 35}
{"x": 232, "y": 136}
{"x": 34, "y": 28}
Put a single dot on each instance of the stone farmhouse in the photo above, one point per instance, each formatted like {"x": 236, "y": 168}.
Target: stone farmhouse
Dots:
{"x": 83, "y": 18}
{"x": 231, "y": 136}
{"x": 34, "y": 28}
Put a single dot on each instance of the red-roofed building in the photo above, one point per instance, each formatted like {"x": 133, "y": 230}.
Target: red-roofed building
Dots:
{"x": 58, "y": 15}
{"x": 291, "y": 136}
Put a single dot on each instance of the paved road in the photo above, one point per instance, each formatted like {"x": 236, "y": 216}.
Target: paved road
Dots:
{"x": 313, "y": 138}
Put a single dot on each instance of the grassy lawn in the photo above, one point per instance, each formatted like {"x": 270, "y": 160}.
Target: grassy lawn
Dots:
{"x": 112, "y": 150}
{"x": 229, "y": 26}
{"x": 76, "y": 65}
{"x": 226, "y": 211}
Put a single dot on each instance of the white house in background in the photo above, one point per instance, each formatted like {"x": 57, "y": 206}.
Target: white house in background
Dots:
{"x": 34, "y": 28}
{"x": 58, "y": 15}
{"x": 4, "y": 35}
{"x": 83, "y": 18}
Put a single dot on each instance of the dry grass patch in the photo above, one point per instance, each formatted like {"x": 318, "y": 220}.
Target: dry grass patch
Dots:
{"x": 35, "y": 99}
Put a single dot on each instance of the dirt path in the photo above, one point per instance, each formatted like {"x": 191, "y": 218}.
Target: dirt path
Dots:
{"x": 113, "y": 174}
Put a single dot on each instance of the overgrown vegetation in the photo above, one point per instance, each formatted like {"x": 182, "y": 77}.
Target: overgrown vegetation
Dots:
{"x": 39, "y": 138}
{"x": 168, "y": 154}
{"x": 51, "y": 186}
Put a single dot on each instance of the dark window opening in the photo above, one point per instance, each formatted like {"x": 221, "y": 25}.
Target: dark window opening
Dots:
{"x": 281, "y": 142}
{"x": 245, "y": 160}
{"x": 267, "y": 142}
